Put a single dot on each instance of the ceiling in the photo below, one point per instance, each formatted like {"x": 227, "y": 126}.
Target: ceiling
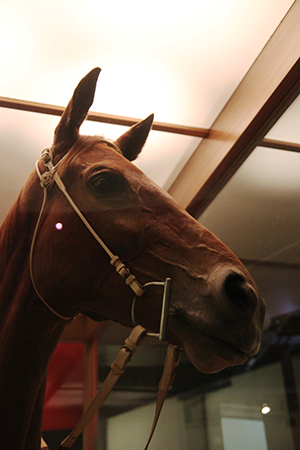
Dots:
{"x": 183, "y": 64}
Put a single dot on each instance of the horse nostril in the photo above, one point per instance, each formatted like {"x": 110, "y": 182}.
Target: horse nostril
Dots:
{"x": 240, "y": 293}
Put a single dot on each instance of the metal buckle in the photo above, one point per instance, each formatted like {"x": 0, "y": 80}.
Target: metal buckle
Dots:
{"x": 164, "y": 308}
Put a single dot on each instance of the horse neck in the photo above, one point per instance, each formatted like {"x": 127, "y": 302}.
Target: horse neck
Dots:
{"x": 29, "y": 332}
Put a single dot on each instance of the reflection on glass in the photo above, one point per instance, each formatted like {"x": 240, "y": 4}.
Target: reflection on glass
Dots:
{"x": 255, "y": 406}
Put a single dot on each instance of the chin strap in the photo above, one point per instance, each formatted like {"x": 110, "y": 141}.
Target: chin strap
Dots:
{"x": 117, "y": 368}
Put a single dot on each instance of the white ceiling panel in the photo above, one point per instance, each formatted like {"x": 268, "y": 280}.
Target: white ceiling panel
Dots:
{"x": 181, "y": 61}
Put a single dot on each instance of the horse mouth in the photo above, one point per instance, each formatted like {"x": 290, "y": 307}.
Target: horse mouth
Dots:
{"x": 207, "y": 352}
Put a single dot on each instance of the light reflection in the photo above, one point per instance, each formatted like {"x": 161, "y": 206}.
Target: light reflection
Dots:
{"x": 265, "y": 409}
{"x": 59, "y": 226}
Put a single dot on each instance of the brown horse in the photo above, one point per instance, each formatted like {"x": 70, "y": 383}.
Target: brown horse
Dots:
{"x": 52, "y": 267}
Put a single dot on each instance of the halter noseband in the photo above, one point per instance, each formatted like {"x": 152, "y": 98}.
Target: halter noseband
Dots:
{"x": 45, "y": 180}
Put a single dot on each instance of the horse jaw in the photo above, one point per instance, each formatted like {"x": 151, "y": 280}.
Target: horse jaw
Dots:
{"x": 207, "y": 354}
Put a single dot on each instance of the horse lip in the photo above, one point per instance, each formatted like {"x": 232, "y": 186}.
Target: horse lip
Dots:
{"x": 228, "y": 345}
{"x": 236, "y": 350}
{"x": 173, "y": 311}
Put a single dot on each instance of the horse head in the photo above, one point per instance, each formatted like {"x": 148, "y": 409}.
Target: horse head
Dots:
{"x": 217, "y": 313}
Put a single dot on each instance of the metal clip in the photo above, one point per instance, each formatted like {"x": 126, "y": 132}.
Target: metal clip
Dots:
{"x": 164, "y": 308}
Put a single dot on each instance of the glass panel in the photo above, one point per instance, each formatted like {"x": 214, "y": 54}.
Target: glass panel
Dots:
{"x": 257, "y": 215}
{"x": 243, "y": 433}
{"x": 203, "y": 409}
{"x": 224, "y": 418}
{"x": 287, "y": 127}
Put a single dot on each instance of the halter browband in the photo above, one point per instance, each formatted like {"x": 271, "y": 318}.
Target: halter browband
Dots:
{"x": 46, "y": 180}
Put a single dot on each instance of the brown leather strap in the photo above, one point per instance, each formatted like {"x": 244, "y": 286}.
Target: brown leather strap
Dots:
{"x": 44, "y": 446}
{"x": 117, "y": 368}
{"x": 165, "y": 384}
{"x": 46, "y": 179}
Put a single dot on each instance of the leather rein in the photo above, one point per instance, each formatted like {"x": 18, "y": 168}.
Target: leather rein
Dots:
{"x": 137, "y": 334}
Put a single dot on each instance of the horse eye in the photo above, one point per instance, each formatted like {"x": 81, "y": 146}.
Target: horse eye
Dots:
{"x": 107, "y": 183}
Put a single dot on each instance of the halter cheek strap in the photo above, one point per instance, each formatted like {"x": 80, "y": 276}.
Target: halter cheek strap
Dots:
{"x": 68, "y": 319}
{"x": 115, "y": 261}
{"x": 46, "y": 180}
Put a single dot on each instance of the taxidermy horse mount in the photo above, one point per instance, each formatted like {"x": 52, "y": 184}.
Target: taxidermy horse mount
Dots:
{"x": 53, "y": 268}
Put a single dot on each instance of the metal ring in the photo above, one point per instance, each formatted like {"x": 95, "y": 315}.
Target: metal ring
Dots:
{"x": 164, "y": 309}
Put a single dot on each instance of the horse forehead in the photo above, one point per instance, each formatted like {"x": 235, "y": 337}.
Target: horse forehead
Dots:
{"x": 102, "y": 153}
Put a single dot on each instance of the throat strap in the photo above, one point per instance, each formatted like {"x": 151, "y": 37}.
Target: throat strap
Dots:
{"x": 117, "y": 369}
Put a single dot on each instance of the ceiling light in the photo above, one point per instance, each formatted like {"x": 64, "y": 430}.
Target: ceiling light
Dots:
{"x": 265, "y": 409}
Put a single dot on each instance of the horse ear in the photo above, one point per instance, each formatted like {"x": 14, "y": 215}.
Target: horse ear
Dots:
{"x": 131, "y": 142}
{"x": 67, "y": 131}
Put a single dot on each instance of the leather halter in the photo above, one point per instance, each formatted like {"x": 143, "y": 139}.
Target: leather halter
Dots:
{"x": 136, "y": 336}
{"x": 46, "y": 180}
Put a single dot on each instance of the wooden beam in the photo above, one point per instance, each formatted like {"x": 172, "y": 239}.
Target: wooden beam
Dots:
{"x": 90, "y": 387}
{"x": 269, "y": 87}
{"x": 84, "y": 330}
{"x": 43, "y": 108}
{"x": 280, "y": 145}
